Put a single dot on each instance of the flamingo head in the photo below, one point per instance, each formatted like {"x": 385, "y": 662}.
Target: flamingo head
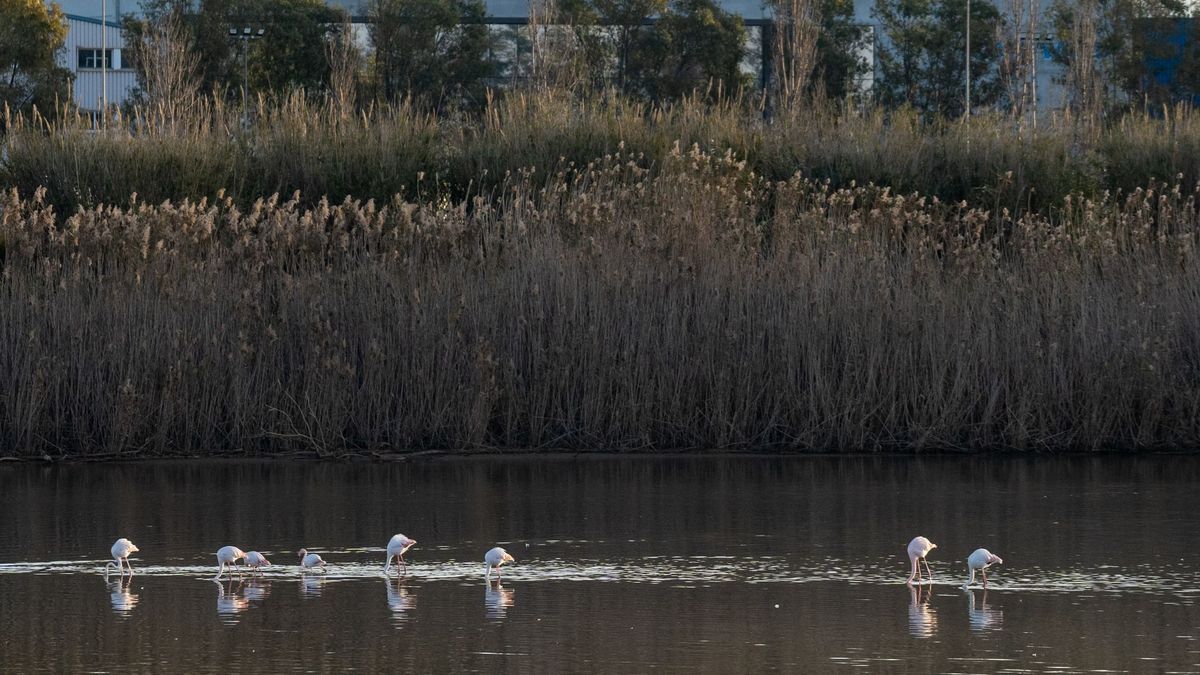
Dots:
{"x": 995, "y": 559}
{"x": 508, "y": 557}
{"x": 133, "y": 549}
{"x": 302, "y": 552}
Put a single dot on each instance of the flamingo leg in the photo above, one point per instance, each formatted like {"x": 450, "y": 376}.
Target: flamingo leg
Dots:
{"x": 403, "y": 565}
{"x": 912, "y": 575}
{"x": 926, "y": 560}
{"x": 130, "y": 566}
{"x": 984, "y": 573}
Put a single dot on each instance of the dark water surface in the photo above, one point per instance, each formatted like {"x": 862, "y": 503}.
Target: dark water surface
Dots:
{"x": 624, "y": 564}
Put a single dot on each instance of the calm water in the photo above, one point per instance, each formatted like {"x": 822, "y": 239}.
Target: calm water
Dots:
{"x": 623, "y": 564}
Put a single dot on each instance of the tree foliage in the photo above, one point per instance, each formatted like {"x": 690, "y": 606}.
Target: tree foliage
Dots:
{"x": 696, "y": 46}
{"x": 291, "y": 53}
{"x": 922, "y": 60}
{"x": 1127, "y": 34}
{"x": 430, "y": 49}
{"x": 31, "y": 35}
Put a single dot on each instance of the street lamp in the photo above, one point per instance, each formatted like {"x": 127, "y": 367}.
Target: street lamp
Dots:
{"x": 245, "y": 35}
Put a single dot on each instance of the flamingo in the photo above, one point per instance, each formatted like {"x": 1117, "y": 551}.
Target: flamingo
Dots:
{"x": 918, "y": 548}
{"x": 980, "y": 560}
{"x": 310, "y": 560}
{"x": 257, "y": 561}
{"x": 121, "y": 551}
{"x": 493, "y": 559}
{"x": 228, "y": 555}
{"x": 396, "y": 547}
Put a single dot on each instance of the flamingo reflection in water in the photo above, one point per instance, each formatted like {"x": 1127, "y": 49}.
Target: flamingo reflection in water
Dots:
{"x": 311, "y": 585}
{"x": 229, "y": 601}
{"x": 497, "y": 599}
{"x": 399, "y": 599}
{"x": 922, "y": 619}
{"x": 122, "y": 596}
{"x": 256, "y": 590}
{"x": 980, "y": 616}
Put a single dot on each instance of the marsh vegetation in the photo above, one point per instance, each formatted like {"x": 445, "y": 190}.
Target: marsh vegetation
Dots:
{"x": 597, "y": 276}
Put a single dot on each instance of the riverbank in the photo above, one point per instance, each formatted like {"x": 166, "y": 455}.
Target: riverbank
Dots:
{"x": 697, "y": 306}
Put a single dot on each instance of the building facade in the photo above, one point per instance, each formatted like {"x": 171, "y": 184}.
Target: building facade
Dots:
{"x": 101, "y": 68}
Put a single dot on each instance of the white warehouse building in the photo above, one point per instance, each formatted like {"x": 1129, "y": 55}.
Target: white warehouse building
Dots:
{"x": 101, "y": 68}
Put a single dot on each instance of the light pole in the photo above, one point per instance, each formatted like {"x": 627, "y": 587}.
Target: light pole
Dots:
{"x": 103, "y": 59}
{"x": 245, "y": 35}
{"x": 968, "y": 61}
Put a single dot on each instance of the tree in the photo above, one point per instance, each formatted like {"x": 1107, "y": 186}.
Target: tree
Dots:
{"x": 697, "y": 46}
{"x": 635, "y": 39}
{"x": 166, "y": 64}
{"x": 292, "y": 52}
{"x": 430, "y": 49}
{"x": 816, "y": 44}
{"x": 1108, "y": 66}
{"x": 31, "y": 35}
{"x": 922, "y": 60}
{"x": 839, "y": 62}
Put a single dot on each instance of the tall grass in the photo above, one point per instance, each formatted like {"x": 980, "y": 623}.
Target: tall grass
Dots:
{"x": 313, "y": 147}
{"x": 691, "y": 302}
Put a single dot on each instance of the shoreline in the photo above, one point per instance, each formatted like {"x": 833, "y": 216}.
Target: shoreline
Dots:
{"x": 307, "y": 457}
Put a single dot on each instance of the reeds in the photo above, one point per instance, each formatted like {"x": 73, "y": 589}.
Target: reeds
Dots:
{"x": 689, "y": 302}
{"x": 315, "y": 147}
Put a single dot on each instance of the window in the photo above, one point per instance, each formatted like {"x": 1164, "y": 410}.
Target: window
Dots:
{"x": 92, "y": 59}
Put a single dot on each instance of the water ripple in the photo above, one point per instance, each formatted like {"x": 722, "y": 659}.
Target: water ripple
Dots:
{"x": 683, "y": 571}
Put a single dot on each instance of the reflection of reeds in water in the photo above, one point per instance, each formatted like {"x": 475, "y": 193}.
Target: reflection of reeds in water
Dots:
{"x": 922, "y": 619}
{"x": 980, "y": 616}
{"x": 497, "y": 600}
{"x": 122, "y": 596}
{"x": 609, "y": 307}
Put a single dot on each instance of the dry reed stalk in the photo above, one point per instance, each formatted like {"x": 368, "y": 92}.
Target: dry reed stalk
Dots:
{"x": 611, "y": 305}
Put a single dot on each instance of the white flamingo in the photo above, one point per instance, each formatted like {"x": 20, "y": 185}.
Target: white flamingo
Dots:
{"x": 918, "y": 548}
{"x": 121, "y": 550}
{"x": 980, "y": 560}
{"x": 396, "y": 547}
{"x": 310, "y": 561}
{"x": 256, "y": 561}
{"x": 228, "y": 555}
{"x": 493, "y": 559}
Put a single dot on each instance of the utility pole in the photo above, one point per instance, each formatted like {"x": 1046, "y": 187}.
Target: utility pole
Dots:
{"x": 245, "y": 36}
{"x": 968, "y": 60}
{"x": 103, "y": 59}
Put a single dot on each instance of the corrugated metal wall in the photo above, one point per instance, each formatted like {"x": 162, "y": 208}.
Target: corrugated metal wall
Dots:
{"x": 88, "y": 85}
